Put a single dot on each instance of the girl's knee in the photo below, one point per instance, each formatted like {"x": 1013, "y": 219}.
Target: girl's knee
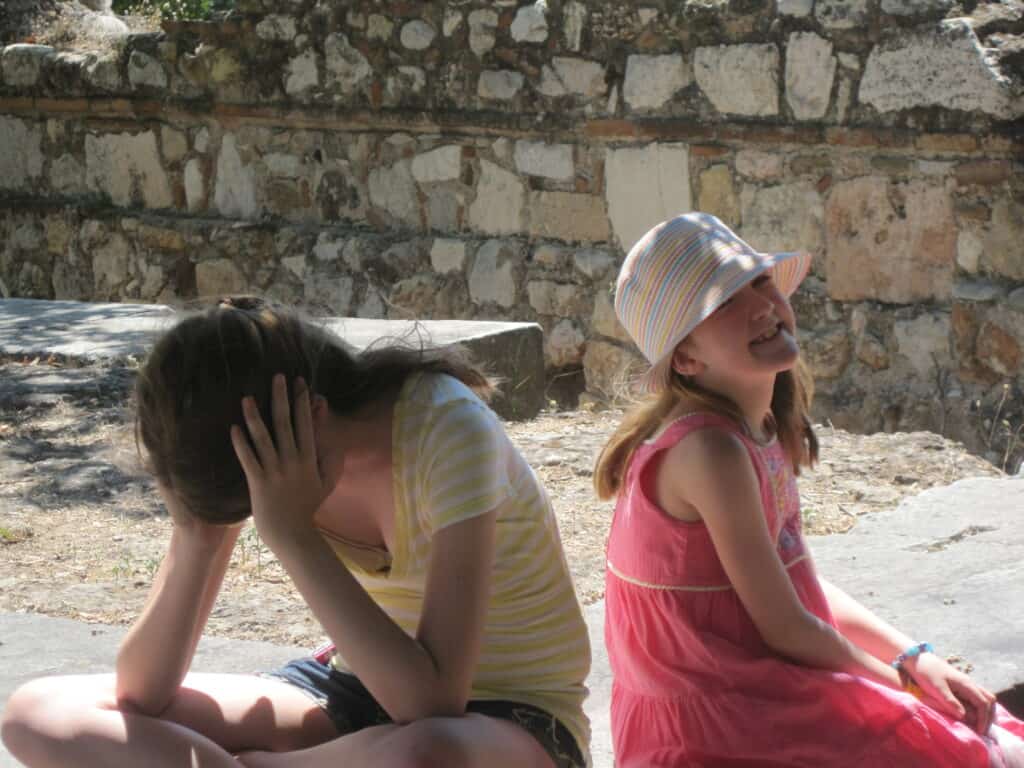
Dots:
{"x": 44, "y": 709}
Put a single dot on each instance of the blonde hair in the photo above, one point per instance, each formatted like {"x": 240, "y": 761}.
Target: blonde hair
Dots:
{"x": 789, "y": 419}
{"x": 189, "y": 390}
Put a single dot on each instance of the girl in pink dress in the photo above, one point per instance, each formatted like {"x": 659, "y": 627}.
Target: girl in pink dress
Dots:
{"x": 726, "y": 647}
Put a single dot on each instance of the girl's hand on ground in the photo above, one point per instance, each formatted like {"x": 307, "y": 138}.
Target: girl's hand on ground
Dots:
{"x": 951, "y": 691}
{"x": 285, "y": 487}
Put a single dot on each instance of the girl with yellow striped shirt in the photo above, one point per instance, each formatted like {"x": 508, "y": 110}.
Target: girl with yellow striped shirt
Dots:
{"x": 416, "y": 533}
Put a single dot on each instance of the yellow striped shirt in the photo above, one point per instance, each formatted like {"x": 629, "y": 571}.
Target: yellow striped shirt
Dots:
{"x": 452, "y": 462}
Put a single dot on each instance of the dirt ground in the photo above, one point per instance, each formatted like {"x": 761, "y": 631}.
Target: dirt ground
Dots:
{"x": 82, "y": 530}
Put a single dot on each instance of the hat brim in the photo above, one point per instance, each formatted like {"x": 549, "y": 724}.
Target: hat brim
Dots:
{"x": 788, "y": 268}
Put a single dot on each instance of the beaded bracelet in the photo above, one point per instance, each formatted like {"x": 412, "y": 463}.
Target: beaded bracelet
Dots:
{"x": 910, "y": 653}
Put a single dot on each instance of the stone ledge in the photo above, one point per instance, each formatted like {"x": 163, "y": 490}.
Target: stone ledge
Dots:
{"x": 118, "y": 332}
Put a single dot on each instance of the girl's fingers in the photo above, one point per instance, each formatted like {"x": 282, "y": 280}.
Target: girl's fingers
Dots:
{"x": 303, "y": 421}
{"x": 259, "y": 435}
{"x": 250, "y": 464}
{"x": 281, "y": 410}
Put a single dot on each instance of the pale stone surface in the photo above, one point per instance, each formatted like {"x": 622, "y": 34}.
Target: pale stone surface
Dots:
{"x": 417, "y": 35}
{"x": 276, "y": 27}
{"x": 924, "y": 341}
{"x": 876, "y": 252}
{"x": 568, "y": 216}
{"x": 393, "y": 189}
{"x": 826, "y": 352}
{"x": 448, "y": 255}
{"x": 785, "y": 217}
{"x": 645, "y": 186}
{"x": 917, "y": 7}
{"x": 575, "y": 20}
{"x": 195, "y": 185}
{"x": 968, "y": 250}
{"x": 610, "y": 369}
{"x": 22, "y": 63}
{"x": 976, "y": 290}
{"x": 27, "y": 163}
{"x": 333, "y": 293}
{"x": 103, "y": 73}
{"x": 296, "y": 265}
{"x": 235, "y": 190}
{"x": 144, "y": 70}
{"x": 327, "y": 248}
{"x": 119, "y": 165}
{"x": 347, "y": 68}
{"x": 841, "y": 14}
{"x": 652, "y": 81}
{"x": 500, "y": 201}
{"x": 564, "y": 344}
{"x": 604, "y": 320}
{"x": 717, "y": 195}
{"x": 379, "y": 27}
{"x": 202, "y": 141}
{"x": 592, "y": 262}
{"x": 538, "y": 158}
{"x": 943, "y": 66}
{"x": 491, "y": 279}
{"x": 407, "y": 79}
{"x": 548, "y": 297}
{"x": 719, "y": 68}
{"x": 443, "y": 207}
{"x": 301, "y": 73}
{"x": 219, "y": 277}
{"x": 441, "y": 164}
{"x": 798, "y": 8}
{"x": 531, "y": 24}
{"x": 174, "y": 143}
{"x": 1003, "y": 251}
{"x": 67, "y": 175}
{"x": 762, "y": 166}
{"x": 110, "y": 266}
{"x": 810, "y": 71}
{"x": 570, "y": 75}
{"x": 482, "y": 27}
{"x": 499, "y": 84}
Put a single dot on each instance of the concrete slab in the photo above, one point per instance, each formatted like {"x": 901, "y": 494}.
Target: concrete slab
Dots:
{"x": 33, "y": 646}
{"x": 946, "y": 566}
{"x": 116, "y": 332}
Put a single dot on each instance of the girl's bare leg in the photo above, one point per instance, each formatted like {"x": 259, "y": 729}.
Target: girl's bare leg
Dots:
{"x": 61, "y": 721}
{"x": 471, "y": 741}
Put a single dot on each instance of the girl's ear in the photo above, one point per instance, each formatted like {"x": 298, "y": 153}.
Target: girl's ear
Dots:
{"x": 683, "y": 363}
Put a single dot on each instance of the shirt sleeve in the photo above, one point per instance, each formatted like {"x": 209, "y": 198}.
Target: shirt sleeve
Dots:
{"x": 464, "y": 463}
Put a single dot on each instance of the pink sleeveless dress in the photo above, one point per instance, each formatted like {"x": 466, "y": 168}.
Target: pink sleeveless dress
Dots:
{"x": 694, "y": 683}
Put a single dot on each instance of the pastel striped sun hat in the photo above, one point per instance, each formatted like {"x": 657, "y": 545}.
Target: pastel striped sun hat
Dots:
{"x": 680, "y": 272}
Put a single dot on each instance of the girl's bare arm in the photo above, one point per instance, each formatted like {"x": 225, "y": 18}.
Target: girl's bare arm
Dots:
{"x": 712, "y": 472}
{"x": 158, "y": 649}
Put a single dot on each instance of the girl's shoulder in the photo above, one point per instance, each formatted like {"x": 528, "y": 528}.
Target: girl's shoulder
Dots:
{"x": 436, "y": 390}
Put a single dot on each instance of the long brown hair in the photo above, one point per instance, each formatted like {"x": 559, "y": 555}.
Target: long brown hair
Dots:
{"x": 789, "y": 418}
{"x": 189, "y": 390}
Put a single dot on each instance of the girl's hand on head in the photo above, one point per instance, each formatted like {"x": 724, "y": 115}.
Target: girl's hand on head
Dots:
{"x": 285, "y": 487}
{"x": 949, "y": 690}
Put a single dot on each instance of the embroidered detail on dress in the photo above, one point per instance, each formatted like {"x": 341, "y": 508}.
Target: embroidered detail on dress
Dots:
{"x": 686, "y": 587}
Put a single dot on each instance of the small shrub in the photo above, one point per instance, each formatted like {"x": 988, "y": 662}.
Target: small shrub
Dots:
{"x": 175, "y": 10}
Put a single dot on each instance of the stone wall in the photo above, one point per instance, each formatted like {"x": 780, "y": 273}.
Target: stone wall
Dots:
{"x": 493, "y": 160}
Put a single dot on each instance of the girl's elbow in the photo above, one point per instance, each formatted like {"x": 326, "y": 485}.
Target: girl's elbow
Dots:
{"x": 435, "y": 703}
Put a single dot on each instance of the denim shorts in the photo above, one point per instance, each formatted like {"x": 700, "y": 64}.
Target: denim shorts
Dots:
{"x": 351, "y": 708}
